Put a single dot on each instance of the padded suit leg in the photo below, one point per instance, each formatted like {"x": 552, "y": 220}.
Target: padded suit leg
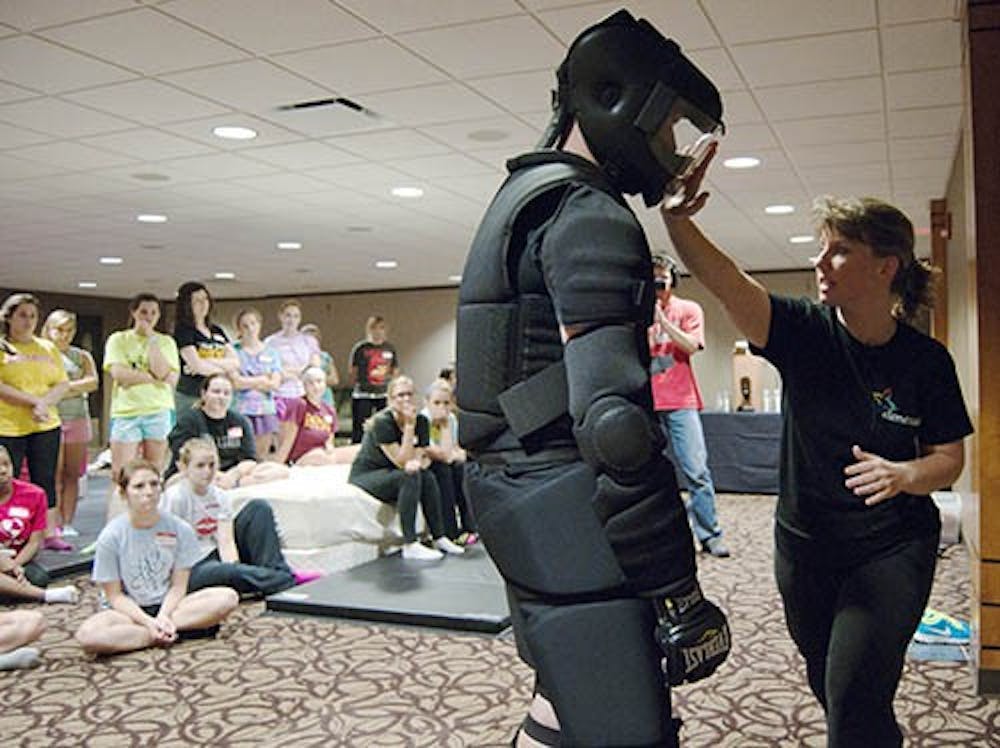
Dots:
{"x": 599, "y": 667}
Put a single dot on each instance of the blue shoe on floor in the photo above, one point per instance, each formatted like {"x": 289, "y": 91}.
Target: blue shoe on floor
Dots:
{"x": 940, "y": 628}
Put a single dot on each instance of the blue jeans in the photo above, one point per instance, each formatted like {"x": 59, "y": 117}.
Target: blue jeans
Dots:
{"x": 683, "y": 429}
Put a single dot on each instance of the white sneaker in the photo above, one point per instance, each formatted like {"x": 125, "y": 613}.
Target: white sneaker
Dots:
{"x": 416, "y": 551}
{"x": 446, "y": 545}
{"x": 68, "y": 531}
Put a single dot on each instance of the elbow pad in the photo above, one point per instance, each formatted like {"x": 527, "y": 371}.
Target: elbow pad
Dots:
{"x": 618, "y": 437}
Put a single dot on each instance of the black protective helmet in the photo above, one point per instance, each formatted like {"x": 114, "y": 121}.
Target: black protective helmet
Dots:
{"x": 621, "y": 81}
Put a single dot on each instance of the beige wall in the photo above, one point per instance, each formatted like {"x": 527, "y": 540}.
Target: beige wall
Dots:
{"x": 421, "y": 324}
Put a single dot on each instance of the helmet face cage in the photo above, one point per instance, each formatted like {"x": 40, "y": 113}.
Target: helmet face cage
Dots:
{"x": 623, "y": 81}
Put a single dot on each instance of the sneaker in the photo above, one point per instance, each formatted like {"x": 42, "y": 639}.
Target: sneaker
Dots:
{"x": 68, "y": 531}
{"x": 940, "y": 628}
{"x": 304, "y": 576}
{"x": 56, "y": 544}
{"x": 444, "y": 544}
{"x": 416, "y": 551}
{"x": 715, "y": 546}
{"x": 472, "y": 538}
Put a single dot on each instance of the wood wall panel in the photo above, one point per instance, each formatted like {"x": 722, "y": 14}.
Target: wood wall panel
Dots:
{"x": 983, "y": 122}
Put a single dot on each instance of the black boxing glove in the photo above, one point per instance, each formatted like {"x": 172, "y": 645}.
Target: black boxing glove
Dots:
{"x": 693, "y": 634}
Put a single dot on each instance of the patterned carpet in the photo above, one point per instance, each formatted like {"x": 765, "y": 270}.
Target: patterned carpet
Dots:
{"x": 286, "y": 681}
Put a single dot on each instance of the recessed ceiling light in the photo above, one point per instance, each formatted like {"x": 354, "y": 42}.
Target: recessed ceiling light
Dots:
{"x": 225, "y": 275}
{"x": 488, "y": 135}
{"x": 741, "y": 162}
{"x": 802, "y": 238}
{"x": 289, "y": 245}
{"x": 455, "y": 278}
{"x": 151, "y": 218}
{"x": 230, "y": 132}
{"x": 111, "y": 260}
{"x": 151, "y": 176}
{"x": 779, "y": 210}
{"x": 386, "y": 264}
{"x": 407, "y": 192}
{"x": 86, "y": 284}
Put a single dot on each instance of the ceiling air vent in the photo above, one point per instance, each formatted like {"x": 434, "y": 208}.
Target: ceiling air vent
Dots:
{"x": 331, "y": 116}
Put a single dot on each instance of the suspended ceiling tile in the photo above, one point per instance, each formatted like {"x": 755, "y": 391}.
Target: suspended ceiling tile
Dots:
{"x": 147, "y": 101}
{"x": 741, "y": 22}
{"x": 36, "y": 63}
{"x": 146, "y": 41}
{"x": 515, "y": 44}
{"x": 362, "y": 67}
{"x": 60, "y": 118}
{"x": 393, "y": 16}
{"x": 819, "y": 99}
{"x": 270, "y": 26}
{"x": 936, "y": 44}
{"x": 845, "y": 55}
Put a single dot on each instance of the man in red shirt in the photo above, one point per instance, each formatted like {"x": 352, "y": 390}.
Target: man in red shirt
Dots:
{"x": 676, "y": 335}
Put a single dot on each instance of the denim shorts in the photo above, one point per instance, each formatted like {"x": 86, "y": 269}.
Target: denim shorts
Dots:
{"x": 134, "y": 429}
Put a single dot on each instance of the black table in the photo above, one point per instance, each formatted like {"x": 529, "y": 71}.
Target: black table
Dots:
{"x": 743, "y": 451}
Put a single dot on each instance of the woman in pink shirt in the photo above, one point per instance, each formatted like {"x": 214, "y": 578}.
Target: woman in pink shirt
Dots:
{"x": 309, "y": 425}
{"x": 297, "y": 351}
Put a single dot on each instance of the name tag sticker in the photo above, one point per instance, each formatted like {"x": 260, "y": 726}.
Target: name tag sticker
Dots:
{"x": 234, "y": 432}
{"x": 19, "y": 511}
{"x": 166, "y": 539}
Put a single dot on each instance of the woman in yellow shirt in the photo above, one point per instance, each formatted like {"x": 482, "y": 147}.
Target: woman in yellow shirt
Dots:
{"x": 32, "y": 382}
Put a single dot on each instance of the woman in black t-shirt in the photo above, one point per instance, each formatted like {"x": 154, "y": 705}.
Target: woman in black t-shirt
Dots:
{"x": 392, "y": 465}
{"x": 214, "y": 418}
{"x": 204, "y": 347}
{"x": 873, "y": 423}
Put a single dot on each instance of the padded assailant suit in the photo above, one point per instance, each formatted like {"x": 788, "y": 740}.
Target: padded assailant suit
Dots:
{"x": 575, "y": 501}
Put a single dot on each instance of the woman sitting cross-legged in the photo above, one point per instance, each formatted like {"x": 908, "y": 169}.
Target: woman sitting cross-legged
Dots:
{"x": 243, "y": 553}
{"x": 18, "y": 629}
{"x": 309, "y": 425}
{"x": 142, "y": 563}
{"x": 22, "y": 525}
{"x": 392, "y": 466}
{"x": 214, "y": 418}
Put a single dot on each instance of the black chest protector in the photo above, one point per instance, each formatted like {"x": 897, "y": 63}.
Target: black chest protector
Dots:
{"x": 511, "y": 381}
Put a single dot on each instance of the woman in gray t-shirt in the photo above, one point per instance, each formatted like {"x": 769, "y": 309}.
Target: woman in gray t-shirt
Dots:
{"x": 142, "y": 564}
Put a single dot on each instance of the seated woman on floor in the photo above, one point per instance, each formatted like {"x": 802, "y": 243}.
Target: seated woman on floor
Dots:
{"x": 309, "y": 425}
{"x": 448, "y": 462}
{"x": 392, "y": 465}
{"x": 18, "y": 629}
{"x": 143, "y": 563}
{"x": 243, "y": 553}
{"x": 23, "y": 510}
{"x": 213, "y": 417}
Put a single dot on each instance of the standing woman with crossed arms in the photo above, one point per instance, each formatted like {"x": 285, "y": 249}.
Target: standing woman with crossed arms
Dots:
{"x": 74, "y": 411}
{"x": 144, "y": 365}
{"x": 32, "y": 382}
{"x": 873, "y": 422}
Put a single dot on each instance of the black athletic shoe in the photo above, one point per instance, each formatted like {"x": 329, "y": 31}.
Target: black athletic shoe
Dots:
{"x": 715, "y": 546}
